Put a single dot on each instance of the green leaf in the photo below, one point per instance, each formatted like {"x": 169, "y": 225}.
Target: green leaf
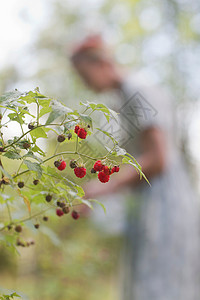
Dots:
{"x": 58, "y": 109}
{"x": 33, "y": 166}
{"x": 44, "y": 111}
{"x": 12, "y": 155}
{"x": 38, "y": 133}
{"x": 118, "y": 151}
{"x": 109, "y": 135}
{"x": 87, "y": 119}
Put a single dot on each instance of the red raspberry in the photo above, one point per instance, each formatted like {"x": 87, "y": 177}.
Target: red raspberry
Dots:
{"x": 115, "y": 169}
{"x": 76, "y": 129}
{"x": 98, "y": 166}
{"x": 106, "y": 170}
{"x": 80, "y": 172}
{"x": 59, "y": 212}
{"x": 103, "y": 177}
{"x": 82, "y": 133}
{"x": 62, "y": 165}
{"x": 75, "y": 215}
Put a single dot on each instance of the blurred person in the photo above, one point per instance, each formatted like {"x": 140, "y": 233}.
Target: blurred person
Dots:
{"x": 161, "y": 247}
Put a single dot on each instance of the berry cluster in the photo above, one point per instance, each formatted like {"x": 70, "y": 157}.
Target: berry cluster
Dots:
{"x": 81, "y": 132}
{"x": 104, "y": 171}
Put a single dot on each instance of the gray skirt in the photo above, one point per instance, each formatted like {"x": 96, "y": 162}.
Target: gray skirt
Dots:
{"x": 161, "y": 257}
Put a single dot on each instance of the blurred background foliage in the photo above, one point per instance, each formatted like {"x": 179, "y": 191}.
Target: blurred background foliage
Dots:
{"x": 157, "y": 40}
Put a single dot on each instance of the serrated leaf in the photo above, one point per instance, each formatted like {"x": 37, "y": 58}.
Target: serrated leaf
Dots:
{"x": 87, "y": 119}
{"x": 58, "y": 109}
{"x": 33, "y": 166}
{"x": 12, "y": 155}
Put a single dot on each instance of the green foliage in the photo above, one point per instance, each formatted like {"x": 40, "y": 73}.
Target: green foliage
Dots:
{"x": 39, "y": 118}
{"x": 9, "y": 297}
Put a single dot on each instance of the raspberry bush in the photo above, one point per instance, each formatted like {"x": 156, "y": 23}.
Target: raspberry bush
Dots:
{"x": 40, "y": 185}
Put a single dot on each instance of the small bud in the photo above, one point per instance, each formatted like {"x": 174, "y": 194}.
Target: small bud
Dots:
{"x": 20, "y": 184}
{"x": 73, "y": 164}
{"x": 56, "y": 163}
{"x": 18, "y": 228}
{"x": 69, "y": 136}
{"x": 26, "y": 145}
{"x": 61, "y": 138}
{"x": 93, "y": 171}
{"x": 66, "y": 210}
{"x": 31, "y": 126}
{"x": 9, "y": 227}
{"x": 58, "y": 203}
{"x": 48, "y": 198}
{"x": 45, "y": 218}
{"x": 62, "y": 204}
{"x": 35, "y": 182}
{"x": 36, "y": 226}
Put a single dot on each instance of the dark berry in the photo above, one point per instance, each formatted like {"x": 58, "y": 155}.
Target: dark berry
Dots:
{"x": 88, "y": 126}
{"x": 69, "y": 136}
{"x": 103, "y": 177}
{"x": 31, "y": 126}
{"x": 58, "y": 203}
{"x": 62, "y": 204}
{"x": 59, "y": 212}
{"x": 75, "y": 215}
{"x": 18, "y": 228}
{"x": 80, "y": 172}
{"x": 1, "y": 149}
{"x": 35, "y": 182}
{"x": 93, "y": 171}
{"x": 32, "y": 242}
{"x": 45, "y": 218}
{"x": 36, "y": 226}
{"x": 66, "y": 210}
{"x": 61, "y": 138}
{"x": 56, "y": 163}
{"x": 1, "y": 116}
{"x": 26, "y": 145}
{"x": 48, "y": 198}
{"x": 20, "y": 184}
{"x": 9, "y": 227}
{"x": 73, "y": 164}
{"x": 82, "y": 133}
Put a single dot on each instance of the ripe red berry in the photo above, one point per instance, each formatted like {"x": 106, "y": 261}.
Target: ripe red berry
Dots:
{"x": 115, "y": 169}
{"x": 59, "y": 212}
{"x": 80, "y": 172}
{"x": 103, "y": 177}
{"x": 76, "y": 129}
{"x": 82, "y": 133}
{"x": 62, "y": 165}
{"x": 75, "y": 215}
{"x": 106, "y": 170}
{"x": 98, "y": 166}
